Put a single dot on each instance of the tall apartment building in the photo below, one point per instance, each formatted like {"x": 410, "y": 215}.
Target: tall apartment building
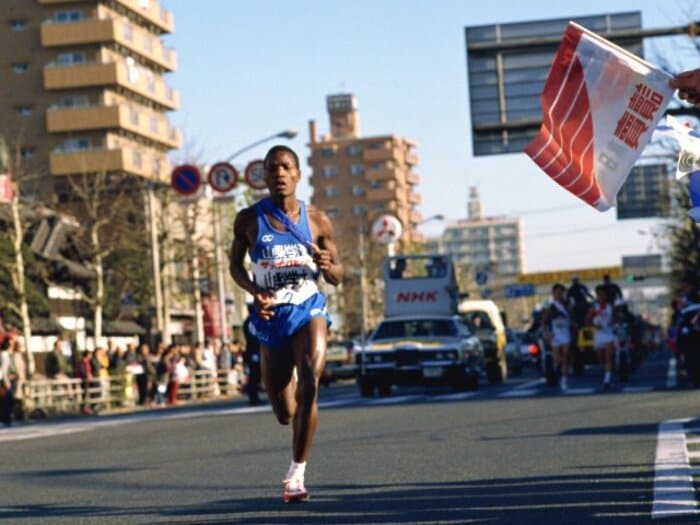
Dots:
{"x": 83, "y": 88}
{"x": 355, "y": 179}
{"x": 490, "y": 244}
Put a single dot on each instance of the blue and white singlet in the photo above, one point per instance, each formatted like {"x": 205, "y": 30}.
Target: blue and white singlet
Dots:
{"x": 281, "y": 263}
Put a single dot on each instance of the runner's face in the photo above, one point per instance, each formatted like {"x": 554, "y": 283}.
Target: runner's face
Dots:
{"x": 281, "y": 174}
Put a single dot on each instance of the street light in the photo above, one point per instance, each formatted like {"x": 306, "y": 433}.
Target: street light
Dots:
{"x": 285, "y": 134}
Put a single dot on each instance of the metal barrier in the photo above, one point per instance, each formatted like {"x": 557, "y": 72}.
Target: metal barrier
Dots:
{"x": 62, "y": 396}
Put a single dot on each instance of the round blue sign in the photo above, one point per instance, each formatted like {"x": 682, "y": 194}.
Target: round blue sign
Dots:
{"x": 482, "y": 278}
{"x": 186, "y": 179}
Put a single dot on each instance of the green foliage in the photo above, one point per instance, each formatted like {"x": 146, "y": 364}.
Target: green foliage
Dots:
{"x": 35, "y": 271}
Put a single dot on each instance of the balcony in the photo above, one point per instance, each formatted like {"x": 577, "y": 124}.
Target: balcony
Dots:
{"x": 415, "y": 217}
{"x": 156, "y": 14}
{"x": 108, "y": 161}
{"x": 94, "y": 31}
{"x": 113, "y": 117}
{"x": 369, "y": 155}
{"x": 413, "y": 178}
{"x": 414, "y": 198}
{"x": 93, "y": 74}
{"x": 380, "y": 174}
{"x": 411, "y": 159}
{"x": 382, "y": 194}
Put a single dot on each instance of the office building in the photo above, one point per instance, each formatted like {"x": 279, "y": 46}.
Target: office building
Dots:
{"x": 492, "y": 245}
{"x": 356, "y": 179}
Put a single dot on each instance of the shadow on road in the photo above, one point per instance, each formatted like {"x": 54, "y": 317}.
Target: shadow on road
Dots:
{"x": 621, "y": 498}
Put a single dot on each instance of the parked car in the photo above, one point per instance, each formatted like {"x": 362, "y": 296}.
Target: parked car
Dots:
{"x": 339, "y": 362}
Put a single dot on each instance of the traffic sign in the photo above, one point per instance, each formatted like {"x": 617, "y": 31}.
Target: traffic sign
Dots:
{"x": 482, "y": 278}
{"x": 519, "y": 290}
{"x": 222, "y": 177}
{"x": 386, "y": 229}
{"x": 255, "y": 175}
{"x": 186, "y": 179}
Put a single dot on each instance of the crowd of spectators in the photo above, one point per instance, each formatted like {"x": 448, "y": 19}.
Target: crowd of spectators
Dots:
{"x": 154, "y": 375}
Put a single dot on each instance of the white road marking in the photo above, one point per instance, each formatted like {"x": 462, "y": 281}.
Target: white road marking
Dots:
{"x": 674, "y": 493}
{"x": 453, "y": 397}
{"x": 518, "y": 393}
{"x": 672, "y": 377}
{"x": 579, "y": 391}
{"x": 637, "y": 389}
{"x": 530, "y": 384}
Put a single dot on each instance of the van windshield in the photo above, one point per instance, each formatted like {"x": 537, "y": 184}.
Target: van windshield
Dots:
{"x": 417, "y": 328}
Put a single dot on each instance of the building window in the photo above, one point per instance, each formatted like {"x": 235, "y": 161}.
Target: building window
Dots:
{"x": 148, "y": 43}
{"x": 136, "y": 158}
{"x": 20, "y": 67}
{"x": 76, "y": 144}
{"x": 356, "y": 169}
{"x": 68, "y": 59}
{"x": 332, "y": 212}
{"x": 128, "y": 31}
{"x": 330, "y": 171}
{"x": 375, "y": 145}
{"x": 74, "y": 101}
{"x": 154, "y": 124}
{"x": 27, "y": 153}
{"x": 150, "y": 81}
{"x": 358, "y": 210}
{"x": 18, "y": 25}
{"x": 375, "y": 184}
{"x": 72, "y": 15}
{"x": 331, "y": 191}
{"x": 134, "y": 117}
{"x": 24, "y": 110}
{"x": 354, "y": 150}
{"x": 358, "y": 191}
{"x": 381, "y": 164}
{"x": 327, "y": 153}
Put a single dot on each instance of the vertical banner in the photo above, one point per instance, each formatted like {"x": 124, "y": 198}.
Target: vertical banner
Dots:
{"x": 5, "y": 189}
{"x": 601, "y": 105}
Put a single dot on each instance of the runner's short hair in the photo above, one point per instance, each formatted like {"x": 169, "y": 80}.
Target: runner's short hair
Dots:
{"x": 281, "y": 148}
{"x": 558, "y": 286}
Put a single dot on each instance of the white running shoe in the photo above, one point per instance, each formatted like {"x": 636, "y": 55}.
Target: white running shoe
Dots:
{"x": 294, "y": 490}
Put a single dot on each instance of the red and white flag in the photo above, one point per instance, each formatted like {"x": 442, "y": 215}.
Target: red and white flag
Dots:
{"x": 601, "y": 104}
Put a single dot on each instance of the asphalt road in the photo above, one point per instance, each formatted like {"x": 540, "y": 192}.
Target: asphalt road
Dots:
{"x": 517, "y": 453}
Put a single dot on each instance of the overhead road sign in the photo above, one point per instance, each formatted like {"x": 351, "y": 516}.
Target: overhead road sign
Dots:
{"x": 565, "y": 276}
{"x": 186, "y": 179}
{"x": 255, "y": 175}
{"x": 222, "y": 177}
{"x": 519, "y": 290}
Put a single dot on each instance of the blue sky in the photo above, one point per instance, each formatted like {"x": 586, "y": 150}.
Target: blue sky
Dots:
{"x": 249, "y": 69}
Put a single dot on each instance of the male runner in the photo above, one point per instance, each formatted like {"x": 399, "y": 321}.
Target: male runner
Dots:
{"x": 289, "y": 246}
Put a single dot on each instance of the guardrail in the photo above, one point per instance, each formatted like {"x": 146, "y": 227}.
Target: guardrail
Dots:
{"x": 64, "y": 396}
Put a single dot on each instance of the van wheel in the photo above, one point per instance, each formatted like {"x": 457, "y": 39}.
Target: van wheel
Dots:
{"x": 366, "y": 388}
{"x": 384, "y": 389}
{"x": 494, "y": 373}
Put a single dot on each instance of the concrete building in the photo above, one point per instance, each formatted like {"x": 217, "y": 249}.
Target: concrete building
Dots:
{"x": 355, "y": 179}
{"x": 493, "y": 245}
{"x": 83, "y": 89}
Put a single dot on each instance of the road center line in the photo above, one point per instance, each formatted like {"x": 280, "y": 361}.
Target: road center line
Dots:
{"x": 674, "y": 493}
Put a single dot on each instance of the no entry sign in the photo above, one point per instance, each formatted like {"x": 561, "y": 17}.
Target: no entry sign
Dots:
{"x": 186, "y": 179}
